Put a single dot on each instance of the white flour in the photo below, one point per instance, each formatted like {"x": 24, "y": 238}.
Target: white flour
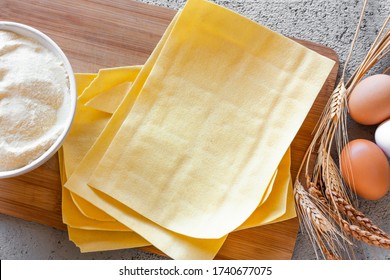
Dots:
{"x": 34, "y": 98}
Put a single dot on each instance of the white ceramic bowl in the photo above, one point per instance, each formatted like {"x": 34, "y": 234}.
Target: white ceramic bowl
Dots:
{"x": 30, "y": 32}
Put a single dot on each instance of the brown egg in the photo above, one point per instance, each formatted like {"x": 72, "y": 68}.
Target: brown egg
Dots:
{"x": 369, "y": 102}
{"x": 365, "y": 169}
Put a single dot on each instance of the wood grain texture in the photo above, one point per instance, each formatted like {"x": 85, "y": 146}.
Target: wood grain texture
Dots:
{"x": 98, "y": 34}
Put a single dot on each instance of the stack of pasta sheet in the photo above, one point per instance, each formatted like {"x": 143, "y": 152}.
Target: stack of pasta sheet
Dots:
{"x": 194, "y": 144}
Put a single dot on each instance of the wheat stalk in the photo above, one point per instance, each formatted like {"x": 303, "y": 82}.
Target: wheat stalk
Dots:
{"x": 310, "y": 210}
{"x": 357, "y": 217}
{"x": 323, "y": 202}
{"x": 369, "y": 234}
{"x": 321, "y": 231}
{"x": 335, "y": 192}
{"x": 364, "y": 235}
{"x": 363, "y": 229}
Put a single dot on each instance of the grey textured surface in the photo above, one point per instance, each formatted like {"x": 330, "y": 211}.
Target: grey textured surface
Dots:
{"x": 328, "y": 22}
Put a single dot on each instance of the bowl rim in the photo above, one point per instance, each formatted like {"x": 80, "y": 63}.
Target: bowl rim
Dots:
{"x": 46, "y": 41}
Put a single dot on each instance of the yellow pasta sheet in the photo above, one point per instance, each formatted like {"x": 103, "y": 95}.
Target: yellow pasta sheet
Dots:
{"x": 87, "y": 125}
{"x": 290, "y": 207}
{"x": 94, "y": 240}
{"x": 91, "y": 119}
{"x": 74, "y": 218}
{"x": 173, "y": 244}
{"x": 109, "y": 100}
{"x": 222, "y": 103}
{"x": 104, "y": 91}
{"x": 277, "y": 203}
{"x": 91, "y": 234}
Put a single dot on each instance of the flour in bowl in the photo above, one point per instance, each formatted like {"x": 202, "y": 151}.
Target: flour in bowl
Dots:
{"x": 34, "y": 99}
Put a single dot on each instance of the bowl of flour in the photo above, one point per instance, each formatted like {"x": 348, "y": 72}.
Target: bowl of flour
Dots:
{"x": 37, "y": 98}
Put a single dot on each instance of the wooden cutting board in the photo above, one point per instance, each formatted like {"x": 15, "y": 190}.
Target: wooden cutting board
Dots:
{"x": 98, "y": 34}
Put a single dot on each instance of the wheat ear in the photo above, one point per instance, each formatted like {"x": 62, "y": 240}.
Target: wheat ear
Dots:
{"x": 335, "y": 192}
{"x": 322, "y": 233}
{"x": 364, "y": 235}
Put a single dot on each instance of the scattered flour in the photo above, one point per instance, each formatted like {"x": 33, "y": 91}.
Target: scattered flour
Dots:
{"x": 34, "y": 99}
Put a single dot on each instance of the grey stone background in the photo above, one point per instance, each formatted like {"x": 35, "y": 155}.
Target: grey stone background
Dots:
{"x": 328, "y": 22}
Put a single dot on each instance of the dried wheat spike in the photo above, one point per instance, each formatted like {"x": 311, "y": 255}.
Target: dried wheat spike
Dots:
{"x": 310, "y": 210}
{"x": 365, "y": 235}
{"x": 337, "y": 101}
{"x": 322, "y": 233}
{"x": 331, "y": 176}
{"x": 335, "y": 193}
{"x": 355, "y": 216}
{"x": 315, "y": 191}
{"x": 371, "y": 234}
